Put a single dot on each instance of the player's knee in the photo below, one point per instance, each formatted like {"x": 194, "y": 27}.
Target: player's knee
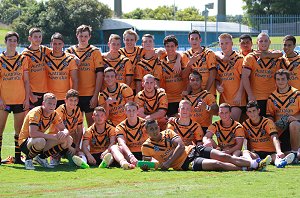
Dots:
{"x": 225, "y": 157}
{"x": 294, "y": 127}
{"x": 39, "y": 143}
{"x": 68, "y": 142}
{"x": 217, "y": 165}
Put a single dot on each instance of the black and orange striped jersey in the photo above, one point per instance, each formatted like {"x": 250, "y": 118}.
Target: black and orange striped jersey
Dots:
{"x": 134, "y": 56}
{"x": 12, "y": 71}
{"x": 164, "y": 149}
{"x": 36, "y": 117}
{"x": 151, "y": 105}
{"x": 172, "y": 82}
{"x": 71, "y": 121}
{"x": 244, "y": 55}
{"x": 283, "y": 104}
{"x": 99, "y": 141}
{"x": 190, "y": 134}
{"x": 91, "y": 62}
{"x": 148, "y": 66}
{"x": 204, "y": 65}
{"x": 226, "y": 136}
{"x": 203, "y": 117}
{"x": 229, "y": 75}
{"x": 122, "y": 94}
{"x": 58, "y": 74}
{"x": 36, "y": 68}
{"x": 134, "y": 136}
{"x": 259, "y": 135}
{"x": 293, "y": 66}
{"x": 122, "y": 66}
{"x": 262, "y": 79}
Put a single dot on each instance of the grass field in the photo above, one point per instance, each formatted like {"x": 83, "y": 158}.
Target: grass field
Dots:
{"x": 67, "y": 181}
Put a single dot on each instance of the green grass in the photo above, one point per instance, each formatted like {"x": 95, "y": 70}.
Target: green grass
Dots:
{"x": 67, "y": 181}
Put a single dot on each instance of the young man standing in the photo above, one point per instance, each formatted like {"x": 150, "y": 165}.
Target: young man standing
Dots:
{"x": 14, "y": 89}
{"x": 61, "y": 69}
{"x": 90, "y": 71}
{"x": 245, "y": 42}
{"x": 114, "y": 97}
{"x": 230, "y": 133}
{"x": 283, "y": 108}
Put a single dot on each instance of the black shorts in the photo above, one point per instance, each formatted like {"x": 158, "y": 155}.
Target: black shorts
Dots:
{"x": 23, "y": 147}
{"x": 18, "y": 108}
{"x": 262, "y": 104}
{"x": 59, "y": 102}
{"x": 172, "y": 108}
{"x": 84, "y": 104}
{"x": 204, "y": 129}
{"x": 196, "y": 156}
{"x": 263, "y": 154}
{"x": 138, "y": 155}
{"x": 98, "y": 159}
{"x": 285, "y": 141}
{"x": 39, "y": 102}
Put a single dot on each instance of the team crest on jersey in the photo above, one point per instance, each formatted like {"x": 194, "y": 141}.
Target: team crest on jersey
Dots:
{"x": 203, "y": 59}
{"x": 65, "y": 63}
{"x": 292, "y": 100}
{"x": 273, "y": 63}
{"x": 106, "y": 138}
{"x": 19, "y": 63}
{"x": 218, "y": 66}
{"x": 4, "y": 65}
{"x": 275, "y": 102}
{"x": 295, "y": 64}
{"x": 232, "y": 135}
{"x": 138, "y": 57}
{"x": 94, "y": 141}
{"x": 258, "y": 61}
{"x": 263, "y": 132}
{"x": 218, "y": 134}
{"x": 88, "y": 54}
{"x": 249, "y": 132}
{"x": 75, "y": 120}
{"x": 164, "y": 69}
{"x": 140, "y": 132}
{"x": 156, "y": 148}
{"x": 32, "y": 58}
{"x": 65, "y": 123}
{"x": 121, "y": 65}
{"x": 120, "y": 96}
{"x": 49, "y": 64}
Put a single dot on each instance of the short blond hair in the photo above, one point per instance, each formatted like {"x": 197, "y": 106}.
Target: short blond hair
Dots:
{"x": 114, "y": 36}
{"x": 225, "y": 36}
{"x": 131, "y": 32}
{"x": 49, "y": 96}
{"x": 263, "y": 34}
{"x": 184, "y": 102}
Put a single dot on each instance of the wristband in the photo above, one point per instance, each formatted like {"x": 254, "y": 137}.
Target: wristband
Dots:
{"x": 208, "y": 108}
{"x": 130, "y": 155}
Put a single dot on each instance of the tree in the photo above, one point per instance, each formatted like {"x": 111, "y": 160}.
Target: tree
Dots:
{"x": 268, "y": 7}
{"x": 62, "y": 16}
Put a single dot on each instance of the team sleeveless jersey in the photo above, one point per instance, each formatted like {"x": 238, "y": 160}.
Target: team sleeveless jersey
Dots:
{"x": 262, "y": 75}
{"x": 59, "y": 74}
{"x": 293, "y": 66}
{"x": 259, "y": 136}
{"x": 226, "y": 136}
{"x": 283, "y": 104}
{"x": 204, "y": 65}
{"x": 148, "y": 66}
{"x": 190, "y": 134}
{"x": 173, "y": 83}
{"x": 90, "y": 63}
{"x": 229, "y": 75}
{"x": 12, "y": 87}
{"x": 36, "y": 68}
{"x": 122, "y": 94}
{"x": 134, "y": 136}
{"x": 122, "y": 66}
{"x": 203, "y": 117}
{"x": 71, "y": 121}
{"x": 164, "y": 149}
{"x": 152, "y": 104}
{"x": 99, "y": 142}
{"x": 36, "y": 117}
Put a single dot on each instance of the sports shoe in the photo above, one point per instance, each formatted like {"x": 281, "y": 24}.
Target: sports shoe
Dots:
{"x": 288, "y": 159}
{"x": 18, "y": 161}
{"x": 29, "y": 164}
{"x": 105, "y": 161}
{"x": 264, "y": 163}
{"x": 55, "y": 160}
{"x": 8, "y": 160}
{"x": 80, "y": 162}
{"x": 127, "y": 166}
{"x": 43, "y": 162}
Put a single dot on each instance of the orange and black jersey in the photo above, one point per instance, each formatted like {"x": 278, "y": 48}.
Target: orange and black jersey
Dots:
{"x": 293, "y": 66}
{"x": 151, "y": 105}
{"x": 262, "y": 75}
{"x": 36, "y": 68}
{"x": 148, "y": 66}
{"x": 283, "y": 104}
{"x": 226, "y": 136}
{"x": 12, "y": 69}
{"x": 204, "y": 65}
{"x": 37, "y": 118}
{"x": 134, "y": 56}
{"x": 71, "y": 121}
{"x": 259, "y": 135}
{"x": 99, "y": 142}
{"x": 122, "y": 94}
{"x": 229, "y": 75}
{"x": 163, "y": 149}
{"x": 203, "y": 117}
{"x": 122, "y": 65}
{"x": 91, "y": 62}
{"x": 190, "y": 134}
{"x": 134, "y": 136}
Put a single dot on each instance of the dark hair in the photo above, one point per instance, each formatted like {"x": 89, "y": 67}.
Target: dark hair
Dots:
{"x": 131, "y": 103}
{"x": 150, "y": 122}
{"x": 245, "y": 36}
{"x": 58, "y": 36}
{"x": 99, "y": 108}
{"x": 72, "y": 93}
{"x": 170, "y": 38}
{"x": 283, "y": 72}
{"x": 195, "y": 73}
{"x": 34, "y": 30}
{"x": 110, "y": 69}
{"x": 194, "y": 32}
{"x": 251, "y": 104}
{"x": 11, "y": 34}
{"x": 290, "y": 38}
{"x": 84, "y": 28}
{"x": 225, "y": 105}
